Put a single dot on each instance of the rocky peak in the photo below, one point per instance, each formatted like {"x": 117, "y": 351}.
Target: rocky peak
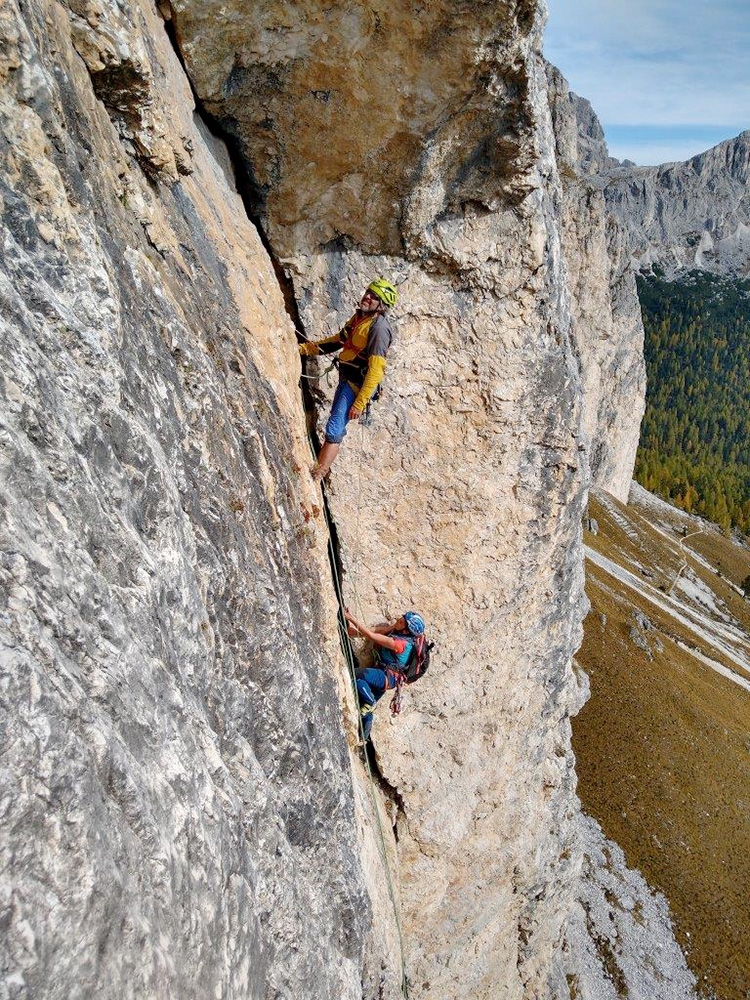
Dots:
{"x": 688, "y": 215}
{"x": 606, "y": 317}
{"x": 579, "y": 137}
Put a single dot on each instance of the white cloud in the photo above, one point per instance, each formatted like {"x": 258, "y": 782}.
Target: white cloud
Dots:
{"x": 655, "y": 61}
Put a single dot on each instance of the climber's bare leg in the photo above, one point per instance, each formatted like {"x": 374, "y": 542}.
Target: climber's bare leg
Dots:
{"x": 328, "y": 453}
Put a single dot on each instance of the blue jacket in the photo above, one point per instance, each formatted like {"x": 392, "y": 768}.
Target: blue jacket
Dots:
{"x": 393, "y": 659}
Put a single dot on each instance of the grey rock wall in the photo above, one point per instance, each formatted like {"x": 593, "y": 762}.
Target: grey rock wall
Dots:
{"x": 579, "y": 136}
{"x": 183, "y": 810}
{"x": 464, "y": 498}
{"x": 607, "y": 326}
{"x": 178, "y": 817}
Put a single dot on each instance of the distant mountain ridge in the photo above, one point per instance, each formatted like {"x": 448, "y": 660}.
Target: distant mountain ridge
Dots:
{"x": 679, "y": 217}
{"x": 686, "y": 216}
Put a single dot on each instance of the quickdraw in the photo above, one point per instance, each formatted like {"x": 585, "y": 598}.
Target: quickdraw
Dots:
{"x": 399, "y": 680}
{"x": 334, "y": 364}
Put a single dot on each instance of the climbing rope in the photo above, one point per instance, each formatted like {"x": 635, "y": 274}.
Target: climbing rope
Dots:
{"x": 325, "y": 371}
{"x": 397, "y": 676}
{"x": 357, "y": 602}
{"x": 348, "y": 650}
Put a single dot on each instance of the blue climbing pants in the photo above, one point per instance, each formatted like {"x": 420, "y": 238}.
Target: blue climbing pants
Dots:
{"x": 372, "y": 684}
{"x": 337, "y": 421}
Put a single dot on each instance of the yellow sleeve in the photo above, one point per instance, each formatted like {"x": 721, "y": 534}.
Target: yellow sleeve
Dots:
{"x": 373, "y": 378}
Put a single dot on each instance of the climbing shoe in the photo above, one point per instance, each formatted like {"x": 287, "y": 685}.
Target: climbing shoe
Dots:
{"x": 366, "y": 709}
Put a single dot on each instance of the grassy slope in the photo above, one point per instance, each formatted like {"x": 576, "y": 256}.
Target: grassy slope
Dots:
{"x": 663, "y": 746}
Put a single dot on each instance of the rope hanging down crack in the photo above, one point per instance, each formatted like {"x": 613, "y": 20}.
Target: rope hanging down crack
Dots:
{"x": 348, "y": 651}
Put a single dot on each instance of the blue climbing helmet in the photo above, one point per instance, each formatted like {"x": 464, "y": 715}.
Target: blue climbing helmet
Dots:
{"x": 414, "y": 622}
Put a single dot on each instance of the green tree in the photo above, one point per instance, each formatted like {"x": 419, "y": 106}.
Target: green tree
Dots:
{"x": 695, "y": 439}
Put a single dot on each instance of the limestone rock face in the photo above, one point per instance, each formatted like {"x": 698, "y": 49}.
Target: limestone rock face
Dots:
{"x": 465, "y": 517}
{"x": 183, "y": 812}
{"x": 464, "y": 498}
{"x": 114, "y": 44}
{"x": 366, "y": 121}
{"x": 581, "y": 146}
{"x": 178, "y": 811}
{"x": 606, "y": 316}
{"x": 683, "y": 216}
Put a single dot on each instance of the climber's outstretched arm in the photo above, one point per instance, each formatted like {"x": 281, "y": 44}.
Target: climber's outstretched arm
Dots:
{"x": 376, "y": 637}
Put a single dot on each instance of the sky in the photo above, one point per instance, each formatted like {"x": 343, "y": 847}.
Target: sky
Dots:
{"x": 666, "y": 78}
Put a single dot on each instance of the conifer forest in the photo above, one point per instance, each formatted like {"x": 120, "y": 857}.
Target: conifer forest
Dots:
{"x": 695, "y": 438}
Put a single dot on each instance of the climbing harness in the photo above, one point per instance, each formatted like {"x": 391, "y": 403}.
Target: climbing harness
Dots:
{"x": 415, "y": 668}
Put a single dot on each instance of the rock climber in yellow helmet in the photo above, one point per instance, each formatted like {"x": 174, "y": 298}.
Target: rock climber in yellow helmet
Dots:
{"x": 363, "y": 341}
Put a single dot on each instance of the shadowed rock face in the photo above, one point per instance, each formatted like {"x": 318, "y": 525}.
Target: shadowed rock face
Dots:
{"x": 367, "y": 121}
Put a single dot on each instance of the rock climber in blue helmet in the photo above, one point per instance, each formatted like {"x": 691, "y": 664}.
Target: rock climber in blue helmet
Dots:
{"x": 393, "y": 644}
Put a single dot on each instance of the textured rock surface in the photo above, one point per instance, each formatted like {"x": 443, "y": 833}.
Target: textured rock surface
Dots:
{"x": 688, "y": 215}
{"x": 581, "y": 146}
{"x": 366, "y": 120}
{"x": 465, "y": 497}
{"x": 607, "y": 324}
{"x": 619, "y": 941}
{"x": 178, "y": 815}
{"x": 467, "y": 517}
{"x": 181, "y": 816}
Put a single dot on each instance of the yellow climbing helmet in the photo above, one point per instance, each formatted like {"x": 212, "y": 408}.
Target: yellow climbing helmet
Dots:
{"x": 384, "y": 290}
